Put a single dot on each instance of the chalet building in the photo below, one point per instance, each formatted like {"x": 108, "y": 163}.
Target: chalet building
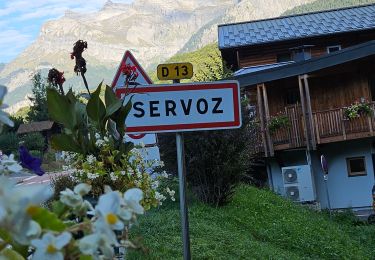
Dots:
{"x": 310, "y": 80}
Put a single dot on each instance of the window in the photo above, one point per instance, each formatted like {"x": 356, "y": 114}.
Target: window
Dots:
{"x": 356, "y": 166}
{"x": 334, "y": 48}
{"x": 284, "y": 57}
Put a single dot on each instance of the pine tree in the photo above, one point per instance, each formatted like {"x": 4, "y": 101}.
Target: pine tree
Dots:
{"x": 38, "y": 110}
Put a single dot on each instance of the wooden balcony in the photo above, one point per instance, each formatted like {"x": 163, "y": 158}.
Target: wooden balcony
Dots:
{"x": 329, "y": 126}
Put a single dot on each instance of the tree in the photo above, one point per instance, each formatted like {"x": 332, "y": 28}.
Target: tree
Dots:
{"x": 38, "y": 110}
{"x": 216, "y": 161}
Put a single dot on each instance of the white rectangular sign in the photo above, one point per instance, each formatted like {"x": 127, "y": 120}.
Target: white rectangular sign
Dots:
{"x": 183, "y": 107}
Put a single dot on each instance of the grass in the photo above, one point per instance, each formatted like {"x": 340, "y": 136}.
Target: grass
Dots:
{"x": 257, "y": 224}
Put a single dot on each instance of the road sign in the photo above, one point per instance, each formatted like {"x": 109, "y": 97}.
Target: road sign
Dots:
{"x": 128, "y": 59}
{"x": 175, "y": 71}
{"x": 143, "y": 79}
{"x": 184, "y": 107}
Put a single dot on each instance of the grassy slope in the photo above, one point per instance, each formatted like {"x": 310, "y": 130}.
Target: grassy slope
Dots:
{"x": 258, "y": 225}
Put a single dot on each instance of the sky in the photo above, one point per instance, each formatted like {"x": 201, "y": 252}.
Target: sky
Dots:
{"x": 21, "y": 20}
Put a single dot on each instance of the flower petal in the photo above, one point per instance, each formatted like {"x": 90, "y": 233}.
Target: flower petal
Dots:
{"x": 63, "y": 239}
{"x": 82, "y": 189}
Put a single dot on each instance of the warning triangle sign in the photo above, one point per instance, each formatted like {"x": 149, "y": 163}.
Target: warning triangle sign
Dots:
{"x": 128, "y": 59}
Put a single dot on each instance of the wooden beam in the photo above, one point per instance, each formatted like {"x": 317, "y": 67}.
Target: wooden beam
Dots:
{"x": 342, "y": 123}
{"x": 261, "y": 118}
{"x": 317, "y": 129}
{"x": 309, "y": 110}
{"x": 267, "y": 114}
{"x": 303, "y": 105}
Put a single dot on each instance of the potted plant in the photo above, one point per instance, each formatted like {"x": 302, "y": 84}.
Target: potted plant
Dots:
{"x": 357, "y": 109}
{"x": 277, "y": 122}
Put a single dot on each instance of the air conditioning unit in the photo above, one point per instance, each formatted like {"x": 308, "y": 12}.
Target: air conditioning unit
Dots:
{"x": 298, "y": 183}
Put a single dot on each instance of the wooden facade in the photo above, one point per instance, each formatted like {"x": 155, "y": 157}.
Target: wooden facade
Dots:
{"x": 315, "y": 107}
{"x": 268, "y": 53}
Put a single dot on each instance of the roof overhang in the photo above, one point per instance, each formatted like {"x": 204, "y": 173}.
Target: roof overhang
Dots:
{"x": 353, "y": 53}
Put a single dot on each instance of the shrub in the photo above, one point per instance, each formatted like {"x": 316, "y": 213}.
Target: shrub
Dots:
{"x": 9, "y": 143}
{"x": 34, "y": 141}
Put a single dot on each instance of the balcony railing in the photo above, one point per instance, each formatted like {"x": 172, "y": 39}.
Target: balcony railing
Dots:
{"x": 329, "y": 126}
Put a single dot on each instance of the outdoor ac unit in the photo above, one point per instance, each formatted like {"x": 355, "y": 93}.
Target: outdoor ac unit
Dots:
{"x": 298, "y": 183}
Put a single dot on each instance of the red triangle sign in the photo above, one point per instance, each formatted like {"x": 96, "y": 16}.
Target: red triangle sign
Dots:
{"x": 119, "y": 79}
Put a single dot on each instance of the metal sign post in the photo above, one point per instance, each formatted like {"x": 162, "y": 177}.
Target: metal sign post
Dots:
{"x": 182, "y": 187}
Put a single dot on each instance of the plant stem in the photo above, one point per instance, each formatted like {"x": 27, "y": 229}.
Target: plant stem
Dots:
{"x": 85, "y": 82}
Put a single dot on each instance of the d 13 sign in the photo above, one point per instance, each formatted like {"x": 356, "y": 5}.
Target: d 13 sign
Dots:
{"x": 184, "y": 107}
{"x": 175, "y": 71}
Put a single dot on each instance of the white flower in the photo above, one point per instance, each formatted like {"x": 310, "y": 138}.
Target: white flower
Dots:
{"x": 49, "y": 247}
{"x": 103, "y": 238}
{"x": 160, "y": 197}
{"x": 171, "y": 193}
{"x": 99, "y": 143}
{"x": 4, "y": 119}
{"x": 90, "y": 159}
{"x": 74, "y": 198}
{"x": 132, "y": 199}
{"x": 69, "y": 198}
{"x": 106, "y": 139}
{"x": 92, "y": 176}
{"x": 9, "y": 165}
{"x": 113, "y": 176}
{"x": 97, "y": 136}
{"x": 82, "y": 189}
{"x": 164, "y": 174}
{"x": 155, "y": 184}
{"x": 20, "y": 203}
{"x": 108, "y": 209}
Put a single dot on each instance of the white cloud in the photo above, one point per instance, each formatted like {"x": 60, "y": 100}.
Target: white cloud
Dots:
{"x": 12, "y": 42}
{"x": 15, "y": 15}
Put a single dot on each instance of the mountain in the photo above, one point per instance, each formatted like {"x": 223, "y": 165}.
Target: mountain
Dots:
{"x": 153, "y": 30}
{"x": 326, "y": 5}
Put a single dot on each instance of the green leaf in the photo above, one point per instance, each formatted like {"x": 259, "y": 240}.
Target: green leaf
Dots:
{"x": 48, "y": 220}
{"x": 81, "y": 115}
{"x": 60, "y": 109}
{"x": 59, "y": 208}
{"x": 95, "y": 107}
{"x": 109, "y": 96}
{"x": 120, "y": 116}
{"x": 8, "y": 253}
{"x": 64, "y": 142}
{"x": 111, "y": 109}
{"x": 85, "y": 257}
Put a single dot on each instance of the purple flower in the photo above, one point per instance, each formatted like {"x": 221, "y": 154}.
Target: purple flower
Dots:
{"x": 30, "y": 162}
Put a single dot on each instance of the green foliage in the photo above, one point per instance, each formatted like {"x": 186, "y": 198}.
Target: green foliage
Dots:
{"x": 216, "y": 160}
{"x": 277, "y": 122}
{"x": 34, "y": 141}
{"x": 60, "y": 183}
{"x": 8, "y": 253}
{"x": 81, "y": 121}
{"x": 326, "y": 5}
{"x": 202, "y": 60}
{"x": 9, "y": 142}
{"x": 357, "y": 109}
{"x": 38, "y": 110}
{"x": 47, "y": 219}
{"x": 256, "y": 224}
{"x": 17, "y": 120}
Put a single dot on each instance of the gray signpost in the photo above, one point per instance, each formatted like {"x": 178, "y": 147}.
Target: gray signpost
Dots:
{"x": 182, "y": 188}
{"x": 183, "y": 107}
